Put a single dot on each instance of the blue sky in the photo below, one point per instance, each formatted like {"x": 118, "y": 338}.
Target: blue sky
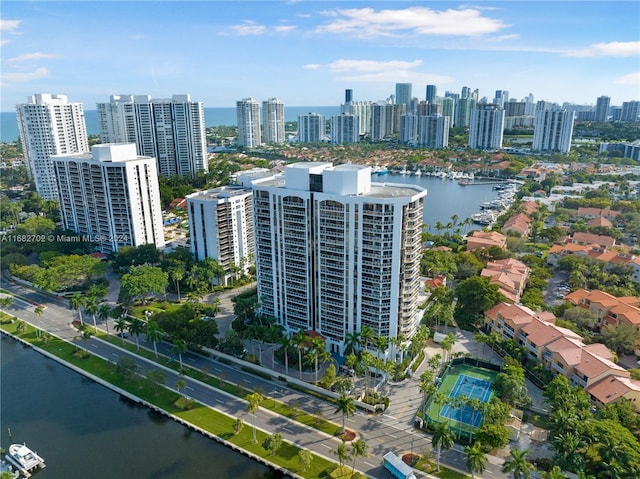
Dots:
{"x": 308, "y": 52}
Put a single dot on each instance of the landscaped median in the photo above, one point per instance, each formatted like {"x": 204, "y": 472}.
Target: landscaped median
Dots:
{"x": 202, "y": 418}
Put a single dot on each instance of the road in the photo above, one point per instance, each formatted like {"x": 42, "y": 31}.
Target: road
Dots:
{"x": 382, "y": 433}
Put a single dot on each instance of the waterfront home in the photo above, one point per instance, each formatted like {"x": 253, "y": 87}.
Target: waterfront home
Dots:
{"x": 486, "y": 239}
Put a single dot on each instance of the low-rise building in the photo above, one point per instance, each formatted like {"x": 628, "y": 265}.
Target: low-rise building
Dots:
{"x": 486, "y": 239}
{"x": 510, "y": 275}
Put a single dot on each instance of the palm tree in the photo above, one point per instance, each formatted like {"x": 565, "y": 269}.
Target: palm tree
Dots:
{"x": 181, "y": 385}
{"x": 317, "y": 347}
{"x": 285, "y": 343}
{"x": 366, "y": 336}
{"x": 342, "y": 453}
{"x": 555, "y": 473}
{"x": 136, "y": 327}
{"x": 6, "y": 301}
{"x": 104, "y": 310}
{"x": 476, "y": 459}
{"x": 351, "y": 342}
{"x": 154, "y": 334}
{"x": 77, "y": 302}
{"x": 346, "y": 406}
{"x": 442, "y": 440}
{"x": 255, "y": 400}
{"x": 91, "y": 307}
{"x": 38, "y": 310}
{"x": 121, "y": 325}
{"x": 518, "y": 464}
{"x": 176, "y": 273}
{"x": 179, "y": 347}
{"x": 238, "y": 424}
{"x": 358, "y": 449}
{"x": 298, "y": 341}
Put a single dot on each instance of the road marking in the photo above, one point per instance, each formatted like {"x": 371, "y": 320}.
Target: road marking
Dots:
{"x": 189, "y": 387}
{"x": 193, "y": 360}
{"x": 391, "y": 435}
{"x": 369, "y": 464}
{"x": 217, "y": 369}
{"x": 328, "y": 447}
{"x": 220, "y": 401}
{"x": 349, "y": 420}
{"x": 114, "y": 354}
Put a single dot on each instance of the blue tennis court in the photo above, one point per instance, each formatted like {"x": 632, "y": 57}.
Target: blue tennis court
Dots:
{"x": 471, "y": 388}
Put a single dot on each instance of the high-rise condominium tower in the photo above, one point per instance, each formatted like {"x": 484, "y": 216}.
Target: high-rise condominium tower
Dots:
{"x": 170, "y": 130}
{"x": 273, "y": 121}
{"x": 348, "y": 95}
{"x": 602, "y": 109}
{"x": 403, "y": 93}
{"x": 50, "y": 125}
{"x": 361, "y": 109}
{"x": 630, "y": 111}
{"x": 345, "y": 128}
{"x": 311, "y": 128}
{"x": 463, "y": 112}
{"x": 486, "y": 127}
{"x": 553, "y": 129}
{"x": 111, "y": 195}
{"x": 248, "y": 114}
{"x": 432, "y": 94}
{"x": 409, "y": 129}
{"x": 433, "y": 131}
{"x": 221, "y": 227}
{"x": 336, "y": 253}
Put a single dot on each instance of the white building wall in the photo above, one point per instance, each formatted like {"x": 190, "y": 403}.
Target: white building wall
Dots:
{"x": 49, "y": 125}
{"x": 249, "y": 131}
{"x": 110, "y": 195}
{"x": 273, "y": 121}
{"x": 553, "y": 130}
{"x": 486, "y": 127}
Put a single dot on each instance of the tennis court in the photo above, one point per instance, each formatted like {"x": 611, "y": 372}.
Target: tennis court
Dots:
{"x": 463, "y": 382}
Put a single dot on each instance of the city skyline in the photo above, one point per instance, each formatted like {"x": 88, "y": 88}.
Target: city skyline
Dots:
{"x": 308, "y": 53}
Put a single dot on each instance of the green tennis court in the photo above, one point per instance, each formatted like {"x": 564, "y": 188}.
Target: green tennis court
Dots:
{"x": 461, "y": 381}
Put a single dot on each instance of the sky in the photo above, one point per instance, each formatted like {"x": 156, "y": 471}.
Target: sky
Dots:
{"x": 306, "y": 53}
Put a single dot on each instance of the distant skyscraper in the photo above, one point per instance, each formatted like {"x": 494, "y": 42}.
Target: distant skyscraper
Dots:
{"x": 345, "y": 129}
{"x": 409, "y": 129}
{"x": 602, "y": 109}
{"x": 432, "y": 94}
{"x": 486, "y": 127}
{"x": 514, "y": 108}
{"x": 502, "y": 96}
{"x": 170, "y": 130}
{"x": 403, "y": 93}
{"x": 448, "y": 107}
{"x": 465, "y": 92}
{"x": 553, "y": 129}
{"x": 273, "y": 121}
{"x": 50, "y": 125}
{"x": 630, "y": 111}
{"x": 110, "y": 195}
{"x": 249, "y": 132}
{"x": 361, "y": 109}
{"x": 311, "y": 128}
{"x": 529, "y": 108}
{"x": 336, "y": 253}
{"x": 463, "y": 112}
{"x": 385, "y": 119}
{"x": 348, "y": 95}
{"x": 433, "y": 131}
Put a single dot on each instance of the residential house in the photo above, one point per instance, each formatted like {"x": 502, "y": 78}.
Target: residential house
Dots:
{"x": 519, "y": 224}
{"x": 510, "y": 275}
{"x": 486, "y": 239}
{"x": 610, "y": 389}
{"x": 590, "y": 238}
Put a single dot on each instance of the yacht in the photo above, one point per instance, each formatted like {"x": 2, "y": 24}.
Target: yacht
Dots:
{"x": 24, "y": 459}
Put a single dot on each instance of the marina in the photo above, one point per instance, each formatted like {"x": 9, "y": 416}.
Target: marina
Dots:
{"x": 24, "y": 460}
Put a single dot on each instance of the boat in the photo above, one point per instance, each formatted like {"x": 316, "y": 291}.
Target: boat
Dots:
{"x": 418, "y": 172}
{"x": 24, "y": 459}
{"x": 382, "y": 171}
{"x": 463, "y": 182}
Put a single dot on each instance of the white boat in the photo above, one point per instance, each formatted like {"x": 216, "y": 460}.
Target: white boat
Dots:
{"x": 24, "y": 459}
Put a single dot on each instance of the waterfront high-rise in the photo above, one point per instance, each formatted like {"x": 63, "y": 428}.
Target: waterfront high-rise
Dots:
{"x": 248, "y": 115}
{"x": 486, "y": 127}
{"x": 403, "y": 93}
{"x": 111, "y": 196}
{"x": 553, "y": 129}
{"x": 345, "y": 129}
{"x": 630, "y": 111}
{"x": 336, "y": 253}
{"x": 361, "y": 109}
{"x": 448, "y": 108}
{"x": 49, "y": 125}
{"x": 602, "y": 109}
{"x": 433, "y": 131}
{"x": 502, "y": 97}
{"x": 311, "y": 128}
{"x": 348, "y": 95}
{"x": 463, "y": 112}
{"x": 170, "y": 130}
{"x": 409, "y": 129}
{"x": 221, "y": 227}
{"x": 273, "y": 122}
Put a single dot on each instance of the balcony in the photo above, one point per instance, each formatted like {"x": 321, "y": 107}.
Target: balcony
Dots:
{"x": 578, "y": 381}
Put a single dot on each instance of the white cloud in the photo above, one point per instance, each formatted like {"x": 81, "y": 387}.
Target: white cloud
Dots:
{"x": 367, "y": 22}
{"x": 630, "y": 79}
{"x": 249, "y": 28}
{"x": 371, "y": 65}
{"x": 611, "y": 49}
{"x": 27, "y": 57}
{"x": 371, "y": 71}
{"x": 19, "y": 77}
{"x": 313, "y": 66}
{"x": 9, "y": 25}
{"x": 285, "y": 28}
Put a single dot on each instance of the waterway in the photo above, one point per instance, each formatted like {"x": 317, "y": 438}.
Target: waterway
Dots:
{"x": 83, "y": 430}
{"x": 445, "y": 198}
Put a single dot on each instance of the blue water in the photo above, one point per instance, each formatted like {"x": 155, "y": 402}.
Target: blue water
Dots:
{"x": 212, "y": 116}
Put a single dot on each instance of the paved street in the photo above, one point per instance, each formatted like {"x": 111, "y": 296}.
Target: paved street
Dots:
{"x": 392, "y": 430}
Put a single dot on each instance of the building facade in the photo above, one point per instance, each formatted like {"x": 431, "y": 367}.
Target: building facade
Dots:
{"x": 403, "y": 93}
{"x": 361, "y": 109}
{"x": 602, "y": 109}
{"x": 273, "y": 122}
{"x": 553, "y": 130}
{"x": 486, "y": 127}
{"x": 248, "y": 115}
{"x": 433, "y": 131}
{"x": 345, "y": 128}
{"x": 311, "y": 128}
{"x": 221, "y": 227}
{"x": 49, "y": 125}
{"x": 336, "y": 252}
{"x": 111, "y": 196}
{"x": 170, "y": 130}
